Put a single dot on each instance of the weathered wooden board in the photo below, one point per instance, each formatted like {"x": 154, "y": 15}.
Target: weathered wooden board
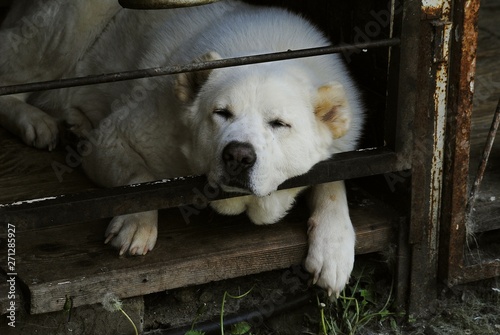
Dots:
{"x": 28, "y": 173}
{"x": 73, "y": 261}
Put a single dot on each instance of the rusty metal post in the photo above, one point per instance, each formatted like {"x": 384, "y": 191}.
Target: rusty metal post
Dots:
{"x": 429, "y": 141}
{"x": 455, "y": 188}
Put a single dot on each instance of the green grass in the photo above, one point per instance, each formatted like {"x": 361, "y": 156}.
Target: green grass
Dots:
{"x": 358, "y": 305}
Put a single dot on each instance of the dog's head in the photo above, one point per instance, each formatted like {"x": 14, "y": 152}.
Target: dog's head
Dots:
{"x": 256, "y": 126}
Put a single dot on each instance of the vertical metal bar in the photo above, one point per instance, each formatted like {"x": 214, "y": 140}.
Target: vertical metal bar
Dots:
{"x": 403, "y": 264}
{"x": 428, "y": 148}
{"x": 402, "y": 77}
{"x": 456, "y": 169}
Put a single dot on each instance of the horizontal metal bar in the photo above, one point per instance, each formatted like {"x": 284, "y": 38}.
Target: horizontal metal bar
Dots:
{"x": 174, "y": 69}
{"x": 163, "y": 4}
{"x": 92, "y": 205}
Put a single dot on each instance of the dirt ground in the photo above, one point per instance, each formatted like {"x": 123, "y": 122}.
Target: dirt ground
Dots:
{"x": 472, "y": 309}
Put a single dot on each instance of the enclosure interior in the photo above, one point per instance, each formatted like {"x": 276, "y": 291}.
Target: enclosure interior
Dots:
{"x": 230, "y": 244}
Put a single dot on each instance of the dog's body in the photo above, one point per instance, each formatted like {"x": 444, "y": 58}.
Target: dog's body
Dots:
{"x": 247, "y": 128}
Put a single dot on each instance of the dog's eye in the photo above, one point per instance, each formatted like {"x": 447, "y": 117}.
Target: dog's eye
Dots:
{"x": 279, "y": 124}
{"x": 224, "y": 113}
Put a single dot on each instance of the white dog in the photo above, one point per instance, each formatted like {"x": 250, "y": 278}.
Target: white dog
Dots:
{"x": 248, "y": 128}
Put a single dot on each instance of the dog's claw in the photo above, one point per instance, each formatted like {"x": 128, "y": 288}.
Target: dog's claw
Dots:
{"x": 316, "y": 278}
{"x": 124, "y": 248}
{"x": 109, "y": 238}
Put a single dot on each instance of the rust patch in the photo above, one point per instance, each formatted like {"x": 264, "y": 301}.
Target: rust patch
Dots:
{"x": 431, "y": 13}
{"x": 462, "y": 69}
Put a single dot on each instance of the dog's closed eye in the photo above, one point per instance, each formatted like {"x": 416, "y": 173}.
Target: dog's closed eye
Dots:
{"x": 223, "y": 113}
{"x": 277, "y": 123}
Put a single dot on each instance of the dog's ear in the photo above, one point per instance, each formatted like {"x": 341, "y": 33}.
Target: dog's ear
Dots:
{"x": 188, "y": 84}
{"x": 332, "y": 108}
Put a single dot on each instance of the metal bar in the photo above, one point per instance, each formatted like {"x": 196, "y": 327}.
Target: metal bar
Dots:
{"x": 174, "y": 69}
{"x": 179, "y": 192}
{"x": 162, "y": 4}
{"x": 428, "y": 146}
{"x": 403, "y": 264}
{"x": 484, "y": 159}
{"x": 453, "y": 228}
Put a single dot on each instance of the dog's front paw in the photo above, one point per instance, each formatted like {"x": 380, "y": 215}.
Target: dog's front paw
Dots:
{"x": 135, "y": 233}
{"x": 331, "y": 257}
{"x": 39, "y": 130}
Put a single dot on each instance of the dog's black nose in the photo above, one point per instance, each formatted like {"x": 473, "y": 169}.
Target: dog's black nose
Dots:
{"x": 238, "y": 157}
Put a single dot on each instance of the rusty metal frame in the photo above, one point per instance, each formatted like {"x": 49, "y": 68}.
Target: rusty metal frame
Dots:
{"x": 453, "y": 241}
{"x": 428, "y": 149}
{"x": 447, "y": 48}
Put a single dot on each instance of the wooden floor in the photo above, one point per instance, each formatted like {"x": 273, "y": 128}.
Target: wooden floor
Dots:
{"x": 72, "y": 260}
{"x": 487, "y": 93}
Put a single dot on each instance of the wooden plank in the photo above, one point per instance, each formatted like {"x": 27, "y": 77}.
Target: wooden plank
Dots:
{"x": 92, "y": 205}
{"x": 487, "y": 212}
{"x": 72, "y": 260}
{"x": 27, "y": 173}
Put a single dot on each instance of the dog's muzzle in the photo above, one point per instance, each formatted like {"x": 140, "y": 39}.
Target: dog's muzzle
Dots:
{"x": 238, "y": 159}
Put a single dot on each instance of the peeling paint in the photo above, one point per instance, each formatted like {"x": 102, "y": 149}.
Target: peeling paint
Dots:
{"x": 64, "y": 283}
{"x": 17, "y": 203}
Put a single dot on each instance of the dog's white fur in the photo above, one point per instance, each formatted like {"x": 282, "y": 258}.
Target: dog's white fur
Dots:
{"x": 292, "y": 113}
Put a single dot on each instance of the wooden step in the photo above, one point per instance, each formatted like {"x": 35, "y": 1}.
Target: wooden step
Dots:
{"x": 71, "y": 261}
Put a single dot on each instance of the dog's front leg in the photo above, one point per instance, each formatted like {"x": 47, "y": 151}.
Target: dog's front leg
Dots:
{"x": 331, "y": 237}
{"x": 113, "y": 161}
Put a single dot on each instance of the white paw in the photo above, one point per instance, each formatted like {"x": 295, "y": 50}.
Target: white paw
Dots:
{"x": 135, "y": 233}
{"x": 331, "y": 256}
{"x": 39, "y": 130}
